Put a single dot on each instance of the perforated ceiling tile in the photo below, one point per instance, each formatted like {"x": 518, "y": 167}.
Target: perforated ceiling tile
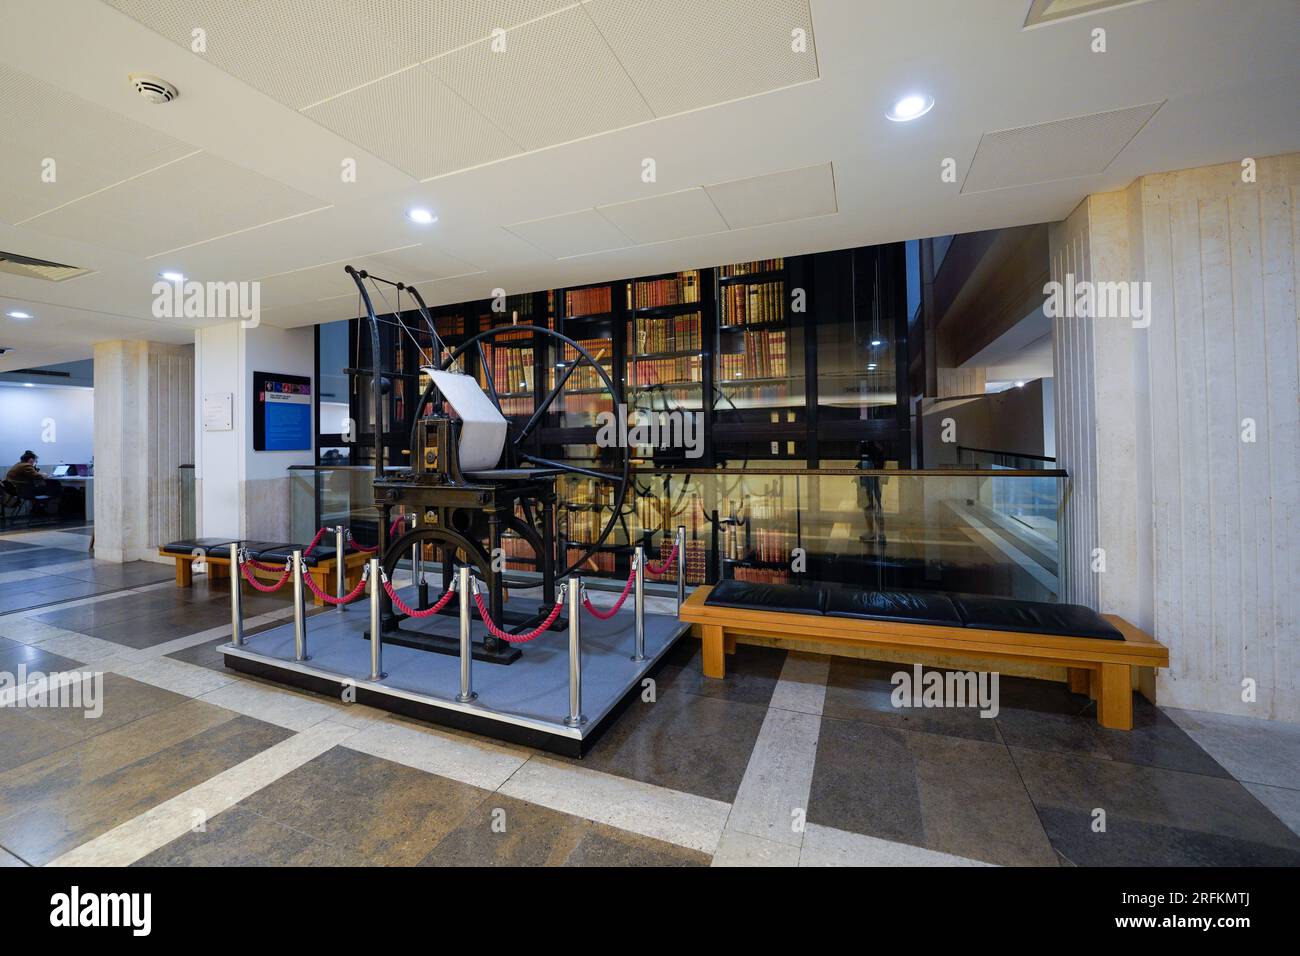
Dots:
{"x": 684, "y": 54}
{"x": 660, "y": 218}
{"x": 776, "y": 197}
{"x": 571, "y": 234}
{"x": 414, "y": 122}
{"x": 422, "y": 29}
{"x": 55, "y": 147}
{"x": 555, "y": 81}
{"x": 1061, "y": 149}
{"x": 295, "y": 51}
{"x": 417, "y": 263}
{"x": 187, "y": 202}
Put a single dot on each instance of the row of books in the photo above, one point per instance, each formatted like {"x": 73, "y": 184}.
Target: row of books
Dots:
{"x": 745, "y": 304}
{"x": 602, "y": 562}
{"x": 512, "y": 370}
{"x": 518, "y": 552}
{"x": 765, "y": 356}
{"x": 761, "y": 575}
{"x": 749, "y": 268}
{"x": 665, "y": 371}
{"x": 684, "y": 287}
{"x": 593, "y": 301}
{"x": 676, "y": 333}
{"x": 772, "y": 545}
{"x": 697, "y": 556}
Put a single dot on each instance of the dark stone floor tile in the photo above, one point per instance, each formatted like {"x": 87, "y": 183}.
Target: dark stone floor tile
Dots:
{"x": 752, "y": 673}
{"x": 50, "y": 828}
{"x": 683, "y": 741}
{"x": 14, "y": 655}
{"x": 1062, "y": 733}
{"x": 863, "y": 691}
{"x": 38, "y": 558}
{"x": 388, "y": 813}
{"x": 1144, "y": 806}
{"x": 941, "y": 792}
{"x": 7, "y": 546}
{"x": 131, "y": 575}
{"x": 123, "y": 700}
{"x": 1156, "y": 741}
{"x": 206, "y": 655}
{"x": 24, "y": 738}
{"x": 242, "y": 838}
{"x": 1041, "y": 696}
{"x": 503, "y": 831}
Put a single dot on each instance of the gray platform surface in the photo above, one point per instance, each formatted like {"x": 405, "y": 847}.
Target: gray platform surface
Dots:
{"x": 533, "y": 691}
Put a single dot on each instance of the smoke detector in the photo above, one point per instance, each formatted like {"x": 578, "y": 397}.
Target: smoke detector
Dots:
{"x": 153, "y": 88}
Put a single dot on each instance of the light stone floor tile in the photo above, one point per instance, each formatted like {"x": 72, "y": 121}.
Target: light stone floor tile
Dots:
{"x": 773, "y": 794}
{"x": 827, "y": 846}
{"x": 26, "y": 631}
{"x": 8, "y": 859}
{"x": 83, "y": 647}
{"x": 7, "y": 577}
{"x": 478, "y": 763}
{"x": 157, "y": 827}
{"x": 283, "y": 708}
{"x": 187, "y": 641}
{"x": 1252, "y": 749}
{"x": 670, "y": 815}
{"x": 10, "y": 695}
{"x": 179, "y": 677}
{"x": 802, "y": 685}
{"x": 742, "y": 849}
{"x": 1283, "y": 803}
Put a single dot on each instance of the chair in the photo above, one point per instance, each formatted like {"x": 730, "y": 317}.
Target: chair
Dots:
{"x": 31, "y": 495}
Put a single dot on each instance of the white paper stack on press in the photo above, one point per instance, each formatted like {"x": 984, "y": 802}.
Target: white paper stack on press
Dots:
{"x": 483, "y": 428}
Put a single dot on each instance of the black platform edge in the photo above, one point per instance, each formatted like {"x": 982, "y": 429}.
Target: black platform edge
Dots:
{"x": 482, "y": 725}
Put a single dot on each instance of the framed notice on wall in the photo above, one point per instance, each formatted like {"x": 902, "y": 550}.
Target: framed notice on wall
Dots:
{"x": 281, "y": 412}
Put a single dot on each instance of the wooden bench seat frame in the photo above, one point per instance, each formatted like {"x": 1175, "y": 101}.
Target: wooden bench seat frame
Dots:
{"x": 1101, "y": 668}
{"x": 322, "y": 572}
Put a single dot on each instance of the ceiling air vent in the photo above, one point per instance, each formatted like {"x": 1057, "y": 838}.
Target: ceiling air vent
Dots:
{"x": 31, "y": 268}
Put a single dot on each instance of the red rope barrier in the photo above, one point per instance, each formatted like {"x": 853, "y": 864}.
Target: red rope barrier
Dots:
{"x": 516, "y": 638}
{"x": 273, "y": 568}
{"x": 348, "y": 598}
{"x": 400, "y": 522}
{"x": 265, "y": 588}
{"x": 410, "y": 611}
{"x": 314, "y": 541}
{"x": 668, "y": 561}
{"x": 606, "y": 615}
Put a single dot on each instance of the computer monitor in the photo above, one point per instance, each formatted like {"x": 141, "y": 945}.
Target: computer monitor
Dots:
{"x": 61, "y": 471}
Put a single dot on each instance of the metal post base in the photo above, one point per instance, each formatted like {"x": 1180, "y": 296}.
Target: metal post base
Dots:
{"x": 467, "y": 698}
{"x": 570, "y": 722}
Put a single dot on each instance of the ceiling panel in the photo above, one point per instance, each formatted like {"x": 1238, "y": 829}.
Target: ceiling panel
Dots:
{"x": 295, "y": 51}
{"x": 556, "y": 80}
{"x": 198, "y": 198}
{"x": 688, "y": 212}
{"x": 422, "y": 29}
{"x": 571, "y": 234}
{"x": 91, "y": 147}
{"x": 417, "y": 124}
{"x": 328, "y": 280}
{"x": 684, "y": 54}
{"x": 776, "y": 197}
{"x": 1061, "y": 149}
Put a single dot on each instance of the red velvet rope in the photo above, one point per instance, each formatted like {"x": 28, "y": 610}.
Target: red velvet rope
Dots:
{"x": 606, "y": 615}
{"x": 410, "y": 611}
{"x": 267, "y": 588}
{"x": 400, "y": 522}
{"x": 668, "y": 561}
{"x": 273, "y": 568}
{"x": 329, "y": 598}
{"x": 314, "y": 541}
{"x": 516, "y": 638}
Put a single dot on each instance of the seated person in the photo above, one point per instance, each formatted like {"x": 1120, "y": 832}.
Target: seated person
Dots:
{"x": 25, "y": 475}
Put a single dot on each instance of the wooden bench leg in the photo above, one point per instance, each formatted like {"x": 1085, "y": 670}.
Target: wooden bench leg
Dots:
{"x": 322, "y": 580}
{"x": 1079, "y": 679}
{"x": 715, "y": 662}
{"x": 1115, "y": 697}
{"x": 184, "y": 572}
{"x": 729, "y": 643}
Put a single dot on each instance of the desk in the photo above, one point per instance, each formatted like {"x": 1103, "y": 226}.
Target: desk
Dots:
{"x": 87, "y": 484}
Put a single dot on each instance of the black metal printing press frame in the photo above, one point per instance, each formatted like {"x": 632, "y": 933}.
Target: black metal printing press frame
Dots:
{"x": 462, "y": 514}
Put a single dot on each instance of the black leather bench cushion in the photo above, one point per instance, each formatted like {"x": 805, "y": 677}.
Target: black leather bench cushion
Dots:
{"x": 906, "y": 607}
{"x": 201, "y": 545}
{"x": 1001, "y": 614}
{"x": 259, "y": 550}
{"x": 276, "y": 555}
{"x": 788, "y": 598}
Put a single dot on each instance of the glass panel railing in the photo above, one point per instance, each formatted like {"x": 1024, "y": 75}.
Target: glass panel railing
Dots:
{"x": 973, "y": 531}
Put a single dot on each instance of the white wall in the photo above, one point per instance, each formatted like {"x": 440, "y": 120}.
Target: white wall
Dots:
{"x": 1198, "y": 524}
{"x": 24, "y": 413}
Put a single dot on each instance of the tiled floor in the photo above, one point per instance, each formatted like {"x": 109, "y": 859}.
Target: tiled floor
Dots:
{"x": 793, "y": 759}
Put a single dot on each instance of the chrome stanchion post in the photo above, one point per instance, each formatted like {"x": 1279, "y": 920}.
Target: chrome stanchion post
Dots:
{"x": 681, "y": 565}
{"x": 299, "y": 611}
{"x": 463, "y": 584}
{"x": 376, "y": 640}
{"x": 575, "y": 718}
{"x": 236, "y": 599}
{"x": 340, "y": 567}
{"x": 638, "y": 601}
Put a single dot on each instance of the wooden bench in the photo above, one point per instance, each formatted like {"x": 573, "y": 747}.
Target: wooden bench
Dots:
{"x": 322, "y": 572}
{"x": 1101, "y": 668}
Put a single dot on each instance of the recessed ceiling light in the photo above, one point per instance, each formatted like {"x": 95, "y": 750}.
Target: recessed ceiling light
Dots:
{"x": 876, "y": 343}
{"x": 910, "y": 107}
{"x": 423, "y": 217}
{"x": 19, "y": 315}
{"x": 172, "y": 276}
